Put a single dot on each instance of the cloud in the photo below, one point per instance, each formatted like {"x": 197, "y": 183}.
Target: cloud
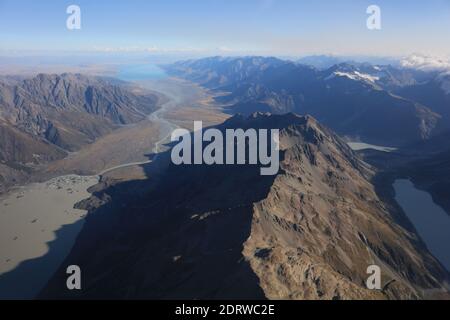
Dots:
{"x": 224, "y": 49}
{"x": 426, "y": 63}
{"x": 117, "y": 49}
{"x": 151, "y": 49}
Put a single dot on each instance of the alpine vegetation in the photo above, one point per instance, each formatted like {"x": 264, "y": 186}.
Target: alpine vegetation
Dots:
{"x": 242, "y": 147}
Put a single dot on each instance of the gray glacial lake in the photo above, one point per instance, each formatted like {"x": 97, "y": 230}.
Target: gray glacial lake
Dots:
{"x": 430, "y": 220}
{"x": 141, "y": 72}
{"x": 38, "y": 227}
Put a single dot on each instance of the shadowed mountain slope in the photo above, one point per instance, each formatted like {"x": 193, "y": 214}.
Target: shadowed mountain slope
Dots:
{"x": 309, "y": 232}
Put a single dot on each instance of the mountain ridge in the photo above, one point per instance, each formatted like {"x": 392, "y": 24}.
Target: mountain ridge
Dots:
{"x": 45, "y": 117}
{"x": 307, "y": 233}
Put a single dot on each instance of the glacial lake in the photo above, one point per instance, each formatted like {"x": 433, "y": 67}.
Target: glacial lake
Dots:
{"x": 139, "y": 72}
{"x": 430, "y": 220}
{"x": 38, "y": 227}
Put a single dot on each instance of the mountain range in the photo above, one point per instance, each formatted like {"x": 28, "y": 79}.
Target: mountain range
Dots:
{"x": 48, "y": 116}
{"x": 359, "y": 101}
{"x": 212, "y": 232}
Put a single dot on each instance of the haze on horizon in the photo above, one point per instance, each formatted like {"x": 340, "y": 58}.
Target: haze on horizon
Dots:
{"x": 232, "y": 27}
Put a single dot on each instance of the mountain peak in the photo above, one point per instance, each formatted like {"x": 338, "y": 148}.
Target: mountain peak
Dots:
{"x": 267, "y": 120}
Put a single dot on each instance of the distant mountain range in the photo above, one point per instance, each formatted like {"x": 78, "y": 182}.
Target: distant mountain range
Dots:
{"x": 211, "y": 232}
{"x": 323, "y": 62}
{"x": 45, "y": 117}
{"x": 378, "y": 104}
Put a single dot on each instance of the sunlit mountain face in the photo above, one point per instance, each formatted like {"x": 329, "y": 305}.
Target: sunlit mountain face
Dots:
{"x": 199, "y": 151}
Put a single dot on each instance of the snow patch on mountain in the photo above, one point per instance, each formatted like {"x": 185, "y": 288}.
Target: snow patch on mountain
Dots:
{"x": 354, "y": 75}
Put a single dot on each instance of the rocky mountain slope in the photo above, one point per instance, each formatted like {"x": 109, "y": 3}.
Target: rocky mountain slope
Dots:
{"x": 198, "y": 232}
{"x": 44, "y": 117}
{"x": 435, "y": 93}
{"x": 69, "y": 110}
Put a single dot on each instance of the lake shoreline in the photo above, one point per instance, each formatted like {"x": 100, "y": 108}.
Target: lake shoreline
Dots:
{"x": 431, "y": 221}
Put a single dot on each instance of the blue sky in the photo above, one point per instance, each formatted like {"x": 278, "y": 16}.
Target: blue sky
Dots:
{"x": 275, "y": 27}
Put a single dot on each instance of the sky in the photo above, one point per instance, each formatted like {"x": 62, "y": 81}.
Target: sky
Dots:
{"x": 205, "y": 27}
